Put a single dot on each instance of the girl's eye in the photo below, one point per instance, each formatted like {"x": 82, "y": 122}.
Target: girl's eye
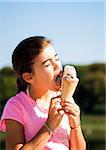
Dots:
{"x": 56, "y": 58}
{"x": 48, "y": 63}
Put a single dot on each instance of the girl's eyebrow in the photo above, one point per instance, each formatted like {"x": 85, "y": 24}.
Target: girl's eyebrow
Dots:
{"x": 49, "y": 59}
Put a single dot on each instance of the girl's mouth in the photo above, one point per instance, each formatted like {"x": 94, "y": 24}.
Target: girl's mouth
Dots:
{"x": 58, "y": 79}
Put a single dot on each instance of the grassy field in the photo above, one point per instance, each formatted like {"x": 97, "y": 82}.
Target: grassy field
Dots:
{"x": 93, "y": 128}
{"x": 94, "y": 131}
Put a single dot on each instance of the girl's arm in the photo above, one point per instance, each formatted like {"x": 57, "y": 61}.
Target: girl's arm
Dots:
{"x": 15, "y": 137}
{"x": 77, "y": 141}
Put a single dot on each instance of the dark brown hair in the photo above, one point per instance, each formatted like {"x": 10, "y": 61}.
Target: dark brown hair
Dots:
{"x": 23, "y": 56}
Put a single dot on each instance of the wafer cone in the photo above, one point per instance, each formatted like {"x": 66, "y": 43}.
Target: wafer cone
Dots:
{"x": 69, "y": 83}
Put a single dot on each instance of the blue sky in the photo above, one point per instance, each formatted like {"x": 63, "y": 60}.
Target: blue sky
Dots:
{"x": 76, "y": 28}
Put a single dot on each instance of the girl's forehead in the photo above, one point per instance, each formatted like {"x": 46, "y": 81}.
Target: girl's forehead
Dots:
{"x": 47, "y": 52}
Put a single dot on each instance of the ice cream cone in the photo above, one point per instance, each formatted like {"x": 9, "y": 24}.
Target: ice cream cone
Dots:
{"x": 69, "y": 83}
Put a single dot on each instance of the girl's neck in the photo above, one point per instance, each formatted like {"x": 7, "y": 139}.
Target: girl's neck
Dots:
{"x": 41, "y": 96}
{"x": 42, "y": 100}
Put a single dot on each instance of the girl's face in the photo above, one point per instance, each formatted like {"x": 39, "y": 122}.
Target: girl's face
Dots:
{"x": 47, "y": 69}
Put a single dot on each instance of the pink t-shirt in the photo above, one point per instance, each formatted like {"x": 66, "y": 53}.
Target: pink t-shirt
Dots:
{"x": 25, "y": 110}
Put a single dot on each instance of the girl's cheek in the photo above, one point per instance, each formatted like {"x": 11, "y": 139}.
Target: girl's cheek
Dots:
{"x": 48, "y": 72}
{"x": 49, "y": 69}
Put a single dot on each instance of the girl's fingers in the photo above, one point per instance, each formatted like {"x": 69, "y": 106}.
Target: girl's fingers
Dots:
{"x": 61, "y": 112}
{"x": 71, "y": 106}
{"x": 55, "y": 105}
{"x": 54, "y": 100}
{"x": 71, "y": 111}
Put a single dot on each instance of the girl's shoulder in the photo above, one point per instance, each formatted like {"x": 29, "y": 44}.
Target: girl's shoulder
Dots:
{"x": 20, "y": 99}
{"x": 12, "y": 110}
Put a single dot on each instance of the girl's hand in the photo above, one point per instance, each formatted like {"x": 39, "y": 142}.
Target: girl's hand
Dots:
{"x": 73, "y": 112}
{"x": 55, "y": 113}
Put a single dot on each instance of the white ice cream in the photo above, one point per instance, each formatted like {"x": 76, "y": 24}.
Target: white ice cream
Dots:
{"x": 70, "y": 71}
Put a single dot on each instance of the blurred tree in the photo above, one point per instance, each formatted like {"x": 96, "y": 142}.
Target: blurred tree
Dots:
{"x": 82, "y": 70}
{"x": 91, "y": 89}
{"x": 97, "y": 67}
{"x": 7, "y": 84}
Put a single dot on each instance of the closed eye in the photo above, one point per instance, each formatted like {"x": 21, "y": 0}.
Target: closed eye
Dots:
{"x": 56, "y": 57}
{"x": 48, "y": 61}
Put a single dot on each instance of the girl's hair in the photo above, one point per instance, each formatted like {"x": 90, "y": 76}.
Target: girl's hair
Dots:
{"x": 23, "y": 56}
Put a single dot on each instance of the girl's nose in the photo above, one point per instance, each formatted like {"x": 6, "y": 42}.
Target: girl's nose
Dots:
{"x": 57, "y": 65}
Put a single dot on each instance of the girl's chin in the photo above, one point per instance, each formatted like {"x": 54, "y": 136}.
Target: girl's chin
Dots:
{"x": 56, "y": 88}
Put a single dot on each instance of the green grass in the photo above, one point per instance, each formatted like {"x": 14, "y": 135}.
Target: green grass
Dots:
{"x": 93, "y": 127}
{"x": 2, "y": 140}
{"x": 2, "y": 136}
{"x": 94, "y": 131}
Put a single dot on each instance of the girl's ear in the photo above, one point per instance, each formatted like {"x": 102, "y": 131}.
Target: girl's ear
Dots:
{"x": 27, "y": 77}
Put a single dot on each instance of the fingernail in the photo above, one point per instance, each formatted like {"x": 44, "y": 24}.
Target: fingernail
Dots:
{"x": 61, "y": 112}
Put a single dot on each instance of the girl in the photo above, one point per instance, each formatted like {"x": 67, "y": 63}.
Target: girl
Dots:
{"x": 36, "y": 119}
